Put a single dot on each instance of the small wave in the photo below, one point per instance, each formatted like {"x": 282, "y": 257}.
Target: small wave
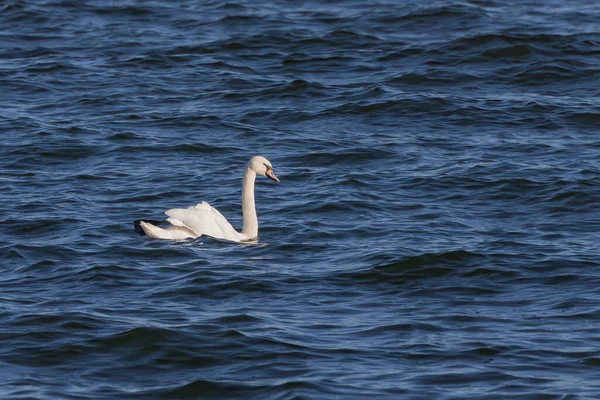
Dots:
{"x": 137, "y": 337}
{"x": 584, "y": 118}
{"x": 208, "y": 388}
{"x": 352, "y": 155}
{"x": 540, "y": 73}
{"x": 55, "y": 322}
{"x": 122, "y": 11}
{"x": 44, "y": 265}
{"x": 433, "y": 77}
{"x": 285, "y": 388}
{"x": 423, "y": 266}
{"x": 239, "y": 19}
{"x": 508, "y": 52}
{"x": 125, "y": 136}
{"x": 12, "y": 7}
{"x": 17, "y": 13}
{"x": 186, "y": 148}
{"x": 320, "y": 61}
{"x": 504, "y": 40}
{"x": 50, "y": 152}
{"x": 398, "y": 106}
{"x": 235, "y": 319}
{"x": 432, "y": 14}
{"x": 46, "y": 67}
{"x": 147, "y": 60}
{"x": 23, "y": 227}
{"x": 190, "y": 50}
{"x": 398, "y": 328}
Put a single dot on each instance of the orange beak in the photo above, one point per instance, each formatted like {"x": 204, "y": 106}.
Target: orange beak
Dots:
{"x": 271, "y": 174}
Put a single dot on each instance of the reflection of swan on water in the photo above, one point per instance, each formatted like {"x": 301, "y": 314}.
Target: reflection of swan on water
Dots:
{"x": 202, "y": 219}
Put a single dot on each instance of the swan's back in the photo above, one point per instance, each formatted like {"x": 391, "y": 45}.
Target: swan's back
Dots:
{"x": 203, "y": 219}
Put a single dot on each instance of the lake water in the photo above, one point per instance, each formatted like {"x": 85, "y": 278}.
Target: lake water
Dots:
{"x": 434, "y": 235}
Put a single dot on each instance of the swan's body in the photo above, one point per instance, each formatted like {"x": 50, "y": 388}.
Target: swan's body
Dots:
{"x": 203, "y": 219}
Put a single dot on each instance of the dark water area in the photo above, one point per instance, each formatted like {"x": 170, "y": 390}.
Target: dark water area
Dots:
{"x": 434, "y": 235}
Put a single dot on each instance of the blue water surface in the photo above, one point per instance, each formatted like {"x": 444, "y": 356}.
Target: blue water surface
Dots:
{"x": 434, "y": 235}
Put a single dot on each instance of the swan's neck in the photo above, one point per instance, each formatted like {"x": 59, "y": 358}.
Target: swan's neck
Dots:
{"x": 250, "y": 229}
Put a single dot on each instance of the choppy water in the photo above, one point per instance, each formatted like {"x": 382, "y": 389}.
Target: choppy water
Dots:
{"x": 435, "y": 233}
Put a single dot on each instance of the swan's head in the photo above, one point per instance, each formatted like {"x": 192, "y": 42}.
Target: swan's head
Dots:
{"x": 263, "y": 167}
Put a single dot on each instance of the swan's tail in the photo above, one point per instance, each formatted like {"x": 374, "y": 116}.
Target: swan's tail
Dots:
{"x": 137, "y": 225}
{"x": 172, "y": 232}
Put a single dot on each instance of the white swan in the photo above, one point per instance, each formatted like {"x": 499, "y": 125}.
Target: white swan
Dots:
{"x": 202, "y": 219}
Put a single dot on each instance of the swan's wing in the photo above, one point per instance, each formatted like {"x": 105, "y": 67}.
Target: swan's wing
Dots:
{"x": 202, "y": 219}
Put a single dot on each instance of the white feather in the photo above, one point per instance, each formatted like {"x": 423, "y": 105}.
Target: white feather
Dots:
{"x": 203, "y": 219}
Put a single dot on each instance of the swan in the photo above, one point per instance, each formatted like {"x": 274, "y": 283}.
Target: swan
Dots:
{"x": 203, "y": 219}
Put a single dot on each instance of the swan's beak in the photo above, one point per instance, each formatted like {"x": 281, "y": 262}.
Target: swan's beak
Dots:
{"x": 271, "y": 174}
